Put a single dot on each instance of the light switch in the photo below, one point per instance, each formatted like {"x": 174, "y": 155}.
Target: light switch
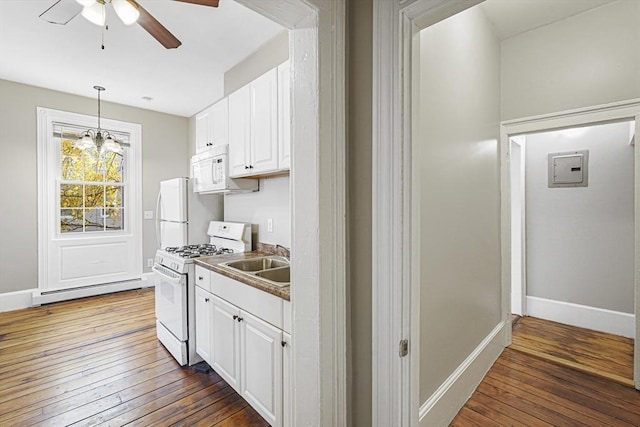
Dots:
{"x": 568, "y": 169}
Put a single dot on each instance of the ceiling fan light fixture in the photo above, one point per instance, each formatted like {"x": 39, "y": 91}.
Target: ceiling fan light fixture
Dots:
{"x": 126, "y": 11}
{"x": 95, "y": 13}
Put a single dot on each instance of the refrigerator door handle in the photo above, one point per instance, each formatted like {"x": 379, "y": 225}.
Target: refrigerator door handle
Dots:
{"x": 158, "y": 229}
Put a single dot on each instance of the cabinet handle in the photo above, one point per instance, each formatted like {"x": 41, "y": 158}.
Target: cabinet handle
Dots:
{"x": 200, "y": 278}
{"x": 246, "y": 167}
{"x": 284, "y": 343}
{"x": 250, "y": 166}
{"x": 206, "y": 300}
{"x": 240, "y": 319}
{"x": 235, "y": 317}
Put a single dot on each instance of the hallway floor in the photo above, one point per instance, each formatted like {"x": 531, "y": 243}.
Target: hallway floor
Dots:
{"x": 555, "y": 375}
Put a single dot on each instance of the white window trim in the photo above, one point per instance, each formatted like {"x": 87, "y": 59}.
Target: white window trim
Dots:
{"x": 47, "y": 225}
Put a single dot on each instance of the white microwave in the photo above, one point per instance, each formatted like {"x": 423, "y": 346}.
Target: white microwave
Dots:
{"x": 210, "y": 173}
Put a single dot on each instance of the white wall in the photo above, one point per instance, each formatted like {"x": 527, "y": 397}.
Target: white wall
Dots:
{"x": 164, "y": 155}
{"x": 588, "y": 59}
{"x": 580, "y": 241}
{"x": 460, "y": 234}
{"x": 272, "y": 201}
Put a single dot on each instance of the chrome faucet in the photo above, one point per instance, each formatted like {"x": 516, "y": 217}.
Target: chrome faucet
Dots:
{"x": 287, "y": 252}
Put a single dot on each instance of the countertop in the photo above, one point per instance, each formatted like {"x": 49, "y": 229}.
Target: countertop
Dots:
{"x": 212, "y": 263}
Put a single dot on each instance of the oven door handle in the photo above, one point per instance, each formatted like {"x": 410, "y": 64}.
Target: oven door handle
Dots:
{"x": 171, "y": 279}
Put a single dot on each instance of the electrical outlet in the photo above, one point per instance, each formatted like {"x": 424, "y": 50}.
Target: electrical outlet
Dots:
{"x": 270, "y": 225}
{"x": 150, "y": 262}
{"x": 148, "y": 214}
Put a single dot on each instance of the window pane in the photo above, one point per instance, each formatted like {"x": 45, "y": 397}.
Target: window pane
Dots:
{"x": 71, "y": 220}
{"x": 114, "y": 219}
{"x": 70, "y": 196}
{"x": 93, "y": 167}
{"x": 113, "y": 196}
{"x": 114, "y": 167}
{"x": 72, "y": 168}
{"x": 94, "y": 196}
{"x": 68, "y": 148}
{"x": 93, "y": 220}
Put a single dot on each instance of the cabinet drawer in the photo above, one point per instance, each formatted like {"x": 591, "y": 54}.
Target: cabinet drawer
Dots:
{"x": 203, "y": 278}
{"x": 261, "y": 304}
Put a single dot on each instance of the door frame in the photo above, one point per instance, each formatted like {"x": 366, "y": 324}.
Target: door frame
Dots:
{"x": 318, "y": 205}
{"x": 46, "y": 117}
{"x": 395, "y": 251}
{"x": 519, "y": 287}
{"x": 613, "y": 112}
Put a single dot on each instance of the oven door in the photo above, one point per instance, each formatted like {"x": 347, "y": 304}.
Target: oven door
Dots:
{"x": 171, "y": 300}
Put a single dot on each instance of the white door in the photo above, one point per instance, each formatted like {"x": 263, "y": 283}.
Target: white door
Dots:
{"x": 264, "y": 122}
{"x": 220, "y": 122}
{"x": 239, "y": 131}
{"x": 89, "y": 205}
{"x": 203, "y": 324}
{"x": 225, "y": 343}
{"x": 203, "y": 130}
{"x": 261, "y": 366}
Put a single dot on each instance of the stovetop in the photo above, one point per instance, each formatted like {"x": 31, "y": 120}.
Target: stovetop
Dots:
{"x": 195, "y": 251}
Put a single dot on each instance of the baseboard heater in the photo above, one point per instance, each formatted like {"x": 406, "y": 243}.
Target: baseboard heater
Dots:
{"x": 46, "y": 297}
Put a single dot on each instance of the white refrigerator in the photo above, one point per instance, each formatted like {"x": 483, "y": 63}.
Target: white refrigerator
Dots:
{"x": 182, "y": 216}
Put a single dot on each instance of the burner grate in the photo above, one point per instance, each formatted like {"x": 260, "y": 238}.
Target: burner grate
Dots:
{"x": 194, "y": 251}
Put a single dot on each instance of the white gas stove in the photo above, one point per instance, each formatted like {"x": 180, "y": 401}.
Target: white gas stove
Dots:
{"x": 175, "y": 285}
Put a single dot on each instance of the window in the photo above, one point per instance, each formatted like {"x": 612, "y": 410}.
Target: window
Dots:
{"x": 91, "y": 186}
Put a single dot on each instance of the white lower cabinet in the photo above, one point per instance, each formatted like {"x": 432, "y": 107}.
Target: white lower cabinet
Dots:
{"x": 248, "y": 353}
{"x": 261, "y": 367}
{"x": 203, "y": 321}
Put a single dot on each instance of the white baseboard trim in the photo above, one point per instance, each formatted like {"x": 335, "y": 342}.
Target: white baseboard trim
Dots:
{"x": 583, "y": 316}
{"x": 441, "y": 408}
{"x": 17, "y": 300}
{"x": 40, "y": 297}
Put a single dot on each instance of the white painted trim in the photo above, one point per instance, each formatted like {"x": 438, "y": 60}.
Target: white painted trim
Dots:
{"x": 443, "y": 405}
{"x": 17, "y": 300}
{"x": 318, "y": 188}
{"x": 617, "y": 111}
{"x": 396, "y": 288}
{"x": 43, "y": 297}
{"x": 583, "y": 316}
{"x": 48, "y": 194}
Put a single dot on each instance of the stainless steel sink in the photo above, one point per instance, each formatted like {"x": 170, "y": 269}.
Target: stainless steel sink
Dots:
{"x": 258, "y": 264}
{"x": 274, "y": 269}
{"x": 280, "y": 276}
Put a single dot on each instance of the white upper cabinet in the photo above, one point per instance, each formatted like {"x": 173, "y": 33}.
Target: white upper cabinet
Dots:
{"x": 284, "y": 115}
{"x": 212, "y": 126}
{"x": 264, "y": 123}
{"x": 258, "y": 136}
{"x": 239, "y": 131}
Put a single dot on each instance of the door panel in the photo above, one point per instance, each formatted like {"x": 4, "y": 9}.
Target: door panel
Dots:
{"x": 224, "y": 341}
{"x": 203, "y": 323}
{"x": 264, "y": 122}
{"x": 261, "y": 354}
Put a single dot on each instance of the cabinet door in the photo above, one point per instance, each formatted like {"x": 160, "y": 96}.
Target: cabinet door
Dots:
{"x": 264, "y": 123}
{"x": 284, "y": 116}
{"x": 203, "y": 324}
{"x": 203, "y": 130}
{"x": 287, "y": 418}
{"x": 220, "y": 122}
{"x": 261, "y": 361}
{"x": 225, "y": 343}
{"x": 239, "y": 132}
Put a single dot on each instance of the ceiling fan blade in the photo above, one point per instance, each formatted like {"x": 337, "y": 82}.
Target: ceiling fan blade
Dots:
{"x": 61, "y": 12}
{"x": 212, "y": 3}
{"x": 156, "y": 29}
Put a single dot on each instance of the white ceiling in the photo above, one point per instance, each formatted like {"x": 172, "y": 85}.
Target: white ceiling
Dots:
{"x": 180, "y": 81}
{"x": 512, "y": 17}
{"x": 133, "y": 65}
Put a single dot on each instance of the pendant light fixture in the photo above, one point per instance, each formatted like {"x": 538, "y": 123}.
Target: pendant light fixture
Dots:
{"x": 100, "y": 140}
{"x": 95, "y": 11}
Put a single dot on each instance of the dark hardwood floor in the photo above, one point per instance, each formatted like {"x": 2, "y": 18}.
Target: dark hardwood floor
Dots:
{"x": 96, "y": 361}
{"x": 557, "y": 375}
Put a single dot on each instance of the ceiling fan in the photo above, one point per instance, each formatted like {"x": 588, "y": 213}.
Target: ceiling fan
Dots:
{"x": 129, "y": 12}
